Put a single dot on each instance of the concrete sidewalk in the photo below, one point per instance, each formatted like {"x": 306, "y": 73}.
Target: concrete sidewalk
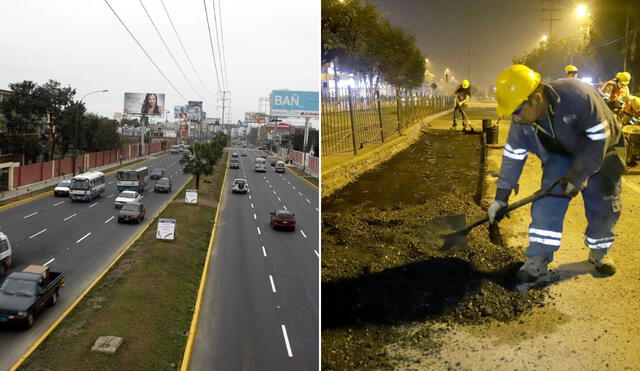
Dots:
{"x": 37, "y": 188}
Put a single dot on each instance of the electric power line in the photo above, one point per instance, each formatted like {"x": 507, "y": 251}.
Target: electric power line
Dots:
{"x": 223, "y": 67}
{"x": 168, "y": 50}
{"x": 224, "y": 54}
{"x": 184, "y": 50}
{"x": 215, "y": 65}
{"x": 145, "y": 52}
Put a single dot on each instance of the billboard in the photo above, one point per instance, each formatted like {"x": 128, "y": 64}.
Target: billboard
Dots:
{"x": 184, "y": 130}
{"x": 288, "y": 103}
{"x": 180, "y": 112}
{"x": 258, "y": 117}
{"x": 150, "y": 104}
{"x": 195, "y": 103}
{"x": 194, "y": 112}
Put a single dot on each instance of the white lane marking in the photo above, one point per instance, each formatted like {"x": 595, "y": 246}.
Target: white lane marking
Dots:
{"x": 110, "y": 182}
{"x": 303, "y": 235}
{"x": 59, "y": 203}
{"x": 270, "y": 186}
{"x": 32, "y": 214}
{"x": 85, "y": 236}
{"x": 279, "y": 199}
{"x": 286, "y": 341}
{"x": 255, "y": 217}
{"x": 318, "y": 210}
{"x": 93, "y": 205}
{"x": 316, "y": 253}
{"x": 273, "y": 287}
{"x": 267, "y": 180}
{"x": 251, "y": 204}
{"x": 274, "y": 192}
{"x": 285, "y": 207}
{"x": 264, "y": 252}
{"x": 108, "y": 220}
{"x": 258, "y": 230}
{"x": 300, "y": 193}
{"x": 308, "y": 201}
{"x": 289, "y": 183}
{"x": 49, "y": 262}
{"x": 42, "y": 231}
{"x": 111, "y": 195}
{"x": 69, "y": 217}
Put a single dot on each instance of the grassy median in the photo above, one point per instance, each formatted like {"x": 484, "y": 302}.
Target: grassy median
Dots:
{"x": 147, "y": 297}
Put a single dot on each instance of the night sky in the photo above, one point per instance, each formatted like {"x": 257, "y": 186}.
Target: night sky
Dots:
{"x": 500, "y": 30}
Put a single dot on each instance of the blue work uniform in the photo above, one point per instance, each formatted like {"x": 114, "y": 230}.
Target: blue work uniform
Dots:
{"x": 580, "y": 139}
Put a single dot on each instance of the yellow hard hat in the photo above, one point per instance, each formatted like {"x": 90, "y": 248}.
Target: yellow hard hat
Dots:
{"x": 513, "y": 86}
{"x": 635, "y": 102}
{"x": 570, "y": 68}
{"x": 465, "y": 83}
{"x": 623, "y": 77}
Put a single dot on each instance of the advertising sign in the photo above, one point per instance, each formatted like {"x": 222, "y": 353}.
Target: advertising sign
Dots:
{"x": 258, "y": 117}
{"x": 150, "y": 104}
{"x": 195, "y": 103}
{"x": 166, "y": 229}
{"x": 191, "y": 196}
{"x": 287, "y": 103}
{"x": 180, "y": 112}
{"x": 184, "y": 130}
{"x": 194, "y": 112}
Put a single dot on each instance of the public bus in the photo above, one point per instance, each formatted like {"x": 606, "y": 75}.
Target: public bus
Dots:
{"x": 86, "y": 186}
{"x": 132, "y": 179}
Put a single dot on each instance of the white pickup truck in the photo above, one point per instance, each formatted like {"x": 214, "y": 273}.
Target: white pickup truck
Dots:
{"x": 5, "y": 253}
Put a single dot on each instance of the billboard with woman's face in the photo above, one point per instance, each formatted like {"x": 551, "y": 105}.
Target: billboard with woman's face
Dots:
{"x": 150, "y": 104}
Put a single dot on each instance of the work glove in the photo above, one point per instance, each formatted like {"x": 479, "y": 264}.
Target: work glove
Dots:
{"x": 569, "y": 189}
{"x": 497, "y": 210}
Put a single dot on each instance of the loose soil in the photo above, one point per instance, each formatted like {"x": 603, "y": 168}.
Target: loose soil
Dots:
{"x": 385, "y": 284}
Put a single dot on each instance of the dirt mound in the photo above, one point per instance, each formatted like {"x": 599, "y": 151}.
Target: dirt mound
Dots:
{"x": 382, "y": 275}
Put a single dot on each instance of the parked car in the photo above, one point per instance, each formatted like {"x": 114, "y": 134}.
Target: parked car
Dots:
{"x": 162, "y": 185}
{"x": 234, "y": 163}
{"x": 243, "y": 153}
{"x": 157, "y": 174}
{"x": 131, "y": 212}
{"x": 24, "y": 294}
{"x": 234, "y": 154}
{"x": 283, "y": 219}
{"x": 127, "y": 197}
{"x": 240, "y": 186}
{"x": 280, "y": 167}
{"x": 175, "y": 149}
{"x": 62, "y": 189}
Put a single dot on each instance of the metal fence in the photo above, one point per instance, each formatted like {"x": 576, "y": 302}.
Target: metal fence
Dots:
{"x": 355, "y": 117}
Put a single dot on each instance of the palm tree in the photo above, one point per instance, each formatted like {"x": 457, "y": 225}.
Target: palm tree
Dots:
{"x": 204, "y": 157}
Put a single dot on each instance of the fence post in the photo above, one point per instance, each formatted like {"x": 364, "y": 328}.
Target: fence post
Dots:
{"x": 353, "y": 122}
{"x": 398, "y": 110}
{"x": 380, "y": 116}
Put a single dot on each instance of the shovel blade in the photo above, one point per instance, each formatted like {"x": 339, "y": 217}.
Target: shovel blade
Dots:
{"x": 438, "y": 235}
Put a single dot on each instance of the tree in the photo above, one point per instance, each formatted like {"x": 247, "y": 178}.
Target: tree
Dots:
{"x": 204, "y": 157}
{"x": 55, "y": 100}
{"x": 550, "y": 58}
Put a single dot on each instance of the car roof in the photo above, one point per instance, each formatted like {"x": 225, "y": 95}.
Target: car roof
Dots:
{"x": 164, "y": 178}
{"x": 235, "y": 180}
{"x": 132, "y": 192}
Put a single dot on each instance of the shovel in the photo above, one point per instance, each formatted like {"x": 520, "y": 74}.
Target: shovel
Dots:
{"x": 459, "y": 237}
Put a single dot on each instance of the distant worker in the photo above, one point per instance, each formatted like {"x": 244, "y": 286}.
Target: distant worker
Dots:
{"x": 462, "y": 97}
{"x": 572, "y": 71}
{"x": 616, "y": 91}
{"x": 630, "y": 113}
{"x": 579, "y": 142}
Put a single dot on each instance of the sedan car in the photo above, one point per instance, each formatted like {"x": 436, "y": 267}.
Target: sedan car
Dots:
{"x": 240, "y": 186}
{"x": 234, "y": 164}
{"x": 283, "y": 219}
{"x": 162, "y": 185}
{"x": 157, "y": 174}
{"x": 243, "y": 153}
{"x": 127, "y": 197}
{"x": 131, "y": 212}
{"x": 234, "y": 154}
{"x": 62, "y": 189}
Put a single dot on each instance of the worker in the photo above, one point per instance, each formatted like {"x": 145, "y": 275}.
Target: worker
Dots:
{"x": 616, "y": 91}
{"x": 572, "y": 71}
{"x": 462, "y": 96}
{"x": 630, "y": 113}
{"x": 579, "y": 142}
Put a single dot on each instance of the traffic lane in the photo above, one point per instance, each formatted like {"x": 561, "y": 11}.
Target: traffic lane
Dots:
{"x": 294, "y": 182}
{"x": 238, "y": 322}
{"x": 20, "y": 227}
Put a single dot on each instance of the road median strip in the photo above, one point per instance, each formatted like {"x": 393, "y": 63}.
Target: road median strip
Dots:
{"x": 146, "y": 296}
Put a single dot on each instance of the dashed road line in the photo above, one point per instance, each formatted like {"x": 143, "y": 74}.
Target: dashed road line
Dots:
{"x": 110, "y": 182}
{"x": 308, "y": 201}
{"x": 59, "y": 203}
{"x": 318, "y": 210}
{"x": 93, "y": 205}
{"x": 300, "y": 193}
{"x": 50, "y": 261}
{"x": 111, "y": 195}
{"x": 286, "y": 341}
{"x": 273, "y": 287}
{"x": 279, "y": 199}
{"x": 264, "y": 252}
{"x": 251, "y": 204}
{"x": 285, "y": 207}
{"x": 42, "y": 231}
{"x": 255, "y": 217}
{"x": 30, "y": 215}
{"x": 316, "y": 253}
{"x": 303, "y": 235}
{"x": 259, "y": 231}
{"x": 70, "y": 216}
{"x": 83, "y": 237}
{"x": 108, "y": 220}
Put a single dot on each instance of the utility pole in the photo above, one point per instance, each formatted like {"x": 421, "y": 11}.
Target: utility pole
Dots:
{"x": 468, "y": 46}
{"x": 626, "y": 39}
{"x": 225, "y": 105}
{"x": 550, "y": 19}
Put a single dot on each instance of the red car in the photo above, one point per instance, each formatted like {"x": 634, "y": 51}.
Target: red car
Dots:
{"x": 131, "y": 212}
{"x": 283, "y": 219}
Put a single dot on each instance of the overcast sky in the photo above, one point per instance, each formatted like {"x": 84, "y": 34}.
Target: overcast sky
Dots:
{"x": 495, "y": 30}
{"x": 268, "y": 45}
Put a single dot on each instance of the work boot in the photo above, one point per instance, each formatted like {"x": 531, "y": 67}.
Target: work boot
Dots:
{"x": 604, "y": 264}
{"x": 534, "y": 268}
{"x": 453, "y": 127}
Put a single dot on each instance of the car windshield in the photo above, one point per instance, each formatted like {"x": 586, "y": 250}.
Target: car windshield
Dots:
{"x": 79, "y": 184}
{"x": 163, "y": 181}
{"x": 65, "y": 183}
{"x": 12, "y": 286}
{"x": 239, "y": 181}
{"x": 284, "y": 215}
{"x": 157, "y": 171}
{"x": 130, "y": 207}
{"x": 127, "y": 195}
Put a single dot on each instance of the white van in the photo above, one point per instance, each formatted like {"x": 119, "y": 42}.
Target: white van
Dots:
{"x": 280, "y": 167}
{"x": 260, "y": 165}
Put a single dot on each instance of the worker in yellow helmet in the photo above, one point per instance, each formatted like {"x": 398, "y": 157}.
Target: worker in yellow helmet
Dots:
{"x": 630, "y": 113}
{"x": 579, "y": 142}
{"x": 462, "y": 96}
{"x": 572, "y": 71}
{"x": 615, "y": 92}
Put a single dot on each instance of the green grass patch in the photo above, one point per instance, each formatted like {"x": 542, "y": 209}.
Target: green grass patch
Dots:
{"x": 147, "y": 297}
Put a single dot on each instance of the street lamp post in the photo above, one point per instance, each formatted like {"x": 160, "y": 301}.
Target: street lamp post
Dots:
{"x": 75, "y": 135}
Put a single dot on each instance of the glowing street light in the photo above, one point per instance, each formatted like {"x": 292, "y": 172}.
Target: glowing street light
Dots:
{"x": 544, "y": 39}
{"x": 582, "y": 11}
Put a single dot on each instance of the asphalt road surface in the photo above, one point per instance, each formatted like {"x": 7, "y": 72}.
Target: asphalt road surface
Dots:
{"x": 79, "y": 239}
{"x": 260, "y": 309}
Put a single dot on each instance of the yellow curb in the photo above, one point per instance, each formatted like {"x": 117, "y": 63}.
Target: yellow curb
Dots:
{"x": 46, "y": 193}
{"x": 86, "y": 291}
{"x": 203, "y": 280}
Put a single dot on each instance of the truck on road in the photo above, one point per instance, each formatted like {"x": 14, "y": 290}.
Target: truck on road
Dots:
{"x": 24, "y": 294}
{"x": 5, "y": 253}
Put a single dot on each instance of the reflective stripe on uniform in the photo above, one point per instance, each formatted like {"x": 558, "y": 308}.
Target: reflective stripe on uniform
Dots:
{"x": 514, "y": 153}
{"x": 599, "y": 243}
{"x": 544, "y": 232}
{"x": 599, "y": 131}
{"x": 551, "y": 238}
{"x": 545, "y": 241}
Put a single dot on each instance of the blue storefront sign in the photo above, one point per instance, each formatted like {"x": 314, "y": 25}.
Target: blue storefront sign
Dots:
{"x": 287, "y": 103}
